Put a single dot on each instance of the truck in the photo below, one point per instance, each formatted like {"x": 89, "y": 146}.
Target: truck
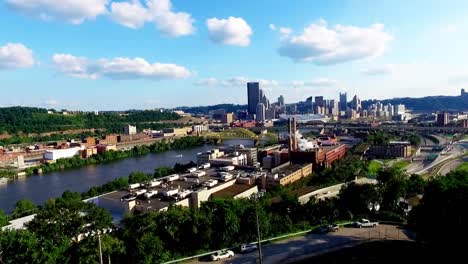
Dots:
{"x": 192, "y": 179}
{"x": 183, "y": 194}
{"x": 173, "y": 177}
{"x": 224, "y": 176}
{"x": 134, "y": 186}
{"x": 365, "y": 223}
{"x": 228, "y": 168}
{"x": 199, "y": 173}
{"x": 153, "y": 183}
{"x": 150, "y": 194}
{"x": 210, "y": 183}
{"x": 170, "y": 192}
{"x": 204, "y": 166}
{"x": 192, "y": 170}
{"x": 140, "y": 192}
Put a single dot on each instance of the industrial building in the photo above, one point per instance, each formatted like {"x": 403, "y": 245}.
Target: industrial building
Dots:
{"x": 130, "y": 130}
{"x": 285, "y": 174}
{"x": 396, "y": 150}
{"x": 55, "y": 154}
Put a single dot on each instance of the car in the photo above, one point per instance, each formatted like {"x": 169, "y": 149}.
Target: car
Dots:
{"x": 365, "y": 223}
{"x": 328, "y": 228}
{"x": 244, "y": 248}
{"x": 222, "y": 254}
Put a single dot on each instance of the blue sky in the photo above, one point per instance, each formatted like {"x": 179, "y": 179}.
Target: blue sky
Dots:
{"x": 110, "y": 55}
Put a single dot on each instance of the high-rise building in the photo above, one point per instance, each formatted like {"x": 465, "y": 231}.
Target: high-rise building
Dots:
{"x": 270, "y": 114}
{"x": 266, "y": 102}
{"x": 260, "y": 116}
{"x": 442, "y": 119}
{"x": 227, "y": 118}
{"x": 319, "y": 100}
{"x": 356, "y": 103}
{"x": 399, "y": 109}
{"x": 253, "y": 96}
{"x": 343, "y": 101}
{"x": 281, "y": 100}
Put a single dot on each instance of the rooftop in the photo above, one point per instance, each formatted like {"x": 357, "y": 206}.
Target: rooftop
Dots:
{"x": 232, "y": 191}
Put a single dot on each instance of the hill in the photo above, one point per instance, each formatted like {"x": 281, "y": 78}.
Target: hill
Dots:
{"x": 429, "y": 103}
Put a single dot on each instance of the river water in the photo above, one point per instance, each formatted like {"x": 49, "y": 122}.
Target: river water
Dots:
{"x": 40, "y": 188}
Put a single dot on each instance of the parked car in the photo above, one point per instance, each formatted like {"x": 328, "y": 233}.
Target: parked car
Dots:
{"x": 222, "y": 254}
{"x": 244, "y": 248}
{"x": 365, "y": 223}
{"x": 328, "y": 228}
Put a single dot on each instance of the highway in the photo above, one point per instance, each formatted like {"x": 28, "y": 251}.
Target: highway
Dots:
{"x": 295, "y": 248}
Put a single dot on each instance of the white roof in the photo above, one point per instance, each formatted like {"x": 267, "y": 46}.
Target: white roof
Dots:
{"x": 19, "y": 223}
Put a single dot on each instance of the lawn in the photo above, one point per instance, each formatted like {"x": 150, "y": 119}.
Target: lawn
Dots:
{"x": 463, "y": 166}
{"x": 374, "y": 167}
{"x": 401, "y": 164}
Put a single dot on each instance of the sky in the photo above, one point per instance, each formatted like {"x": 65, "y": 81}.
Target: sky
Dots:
{"x": 142, "y": 54}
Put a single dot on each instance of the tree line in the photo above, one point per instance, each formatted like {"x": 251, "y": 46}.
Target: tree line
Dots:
{"x": 16, "y": 120}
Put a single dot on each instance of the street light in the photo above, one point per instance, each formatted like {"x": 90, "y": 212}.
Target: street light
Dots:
{"x": 255, "y": 197}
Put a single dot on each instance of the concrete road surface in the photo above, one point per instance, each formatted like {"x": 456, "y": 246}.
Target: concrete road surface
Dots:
{"x": 286, "y": 251}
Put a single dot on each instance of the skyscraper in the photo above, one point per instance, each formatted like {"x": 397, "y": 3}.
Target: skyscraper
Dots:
{"x": 442, "y": 119}
{"x": 260, "y": 117}
{"x": 253, "y": 96}
{"x": 319, "y": 101}
{"x": 280, "y": 100}
{"x": 343, "y": 101}
{"x": 356, "y": 103}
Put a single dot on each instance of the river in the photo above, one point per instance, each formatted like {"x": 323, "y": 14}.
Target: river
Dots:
{"x": 40, "y": 188}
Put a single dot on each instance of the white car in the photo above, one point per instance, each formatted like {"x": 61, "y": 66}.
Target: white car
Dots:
{"x": 244, "y": 248}
{"x": 222, "y": 254}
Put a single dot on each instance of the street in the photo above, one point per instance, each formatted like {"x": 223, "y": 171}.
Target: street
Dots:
{"x": 289, "y": 250}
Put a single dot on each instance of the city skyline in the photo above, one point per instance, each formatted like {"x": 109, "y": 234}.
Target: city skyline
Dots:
{"x": 101, "y": 56}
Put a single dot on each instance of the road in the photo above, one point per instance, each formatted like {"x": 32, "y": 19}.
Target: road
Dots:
{"x": 289, "y": 250}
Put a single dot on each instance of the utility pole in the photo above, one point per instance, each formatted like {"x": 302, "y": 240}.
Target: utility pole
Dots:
{"x": 100, "y": 249}
{"x": 260, "y": 258}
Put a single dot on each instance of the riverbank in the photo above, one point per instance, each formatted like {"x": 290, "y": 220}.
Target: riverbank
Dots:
{"x": 136, "y": 151}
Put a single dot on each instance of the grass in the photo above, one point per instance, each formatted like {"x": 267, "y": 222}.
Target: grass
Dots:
{"x": 463, "y": 166}
{"x": 374, "y": 167}
{"x": 401, "y": 164}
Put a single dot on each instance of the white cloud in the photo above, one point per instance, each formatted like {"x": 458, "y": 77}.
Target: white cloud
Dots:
{"x": 71, "y": 11}
{"x": 117, "y": 68}
{"x": 379, "y": 70}
{"x": 15, "y": 55}
{"x": 285, "y": 30}
{"x": 207, "y": 82}
{"x": 134, "y": 15}
{"x": 319, "y": 82}
{"x": 231, "y": 31}
{"x": 323, "y": 45}
{"x": 272, "y": 27}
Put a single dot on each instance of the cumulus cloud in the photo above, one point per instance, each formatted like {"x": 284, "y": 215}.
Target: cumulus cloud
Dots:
{"x": 325, "y": 45}
{"x": 272, "y": 27}
{"x": 319, "y": 82}
{"x": 285, "y": 30}
{"x": 379, "y": 70}
{"x": 117, "y": 68}
{"x": 231, "y": 31}
{"x": 15, "y": 55}
{"x": 134, "y": 15}
{"x": 71, "y": 11}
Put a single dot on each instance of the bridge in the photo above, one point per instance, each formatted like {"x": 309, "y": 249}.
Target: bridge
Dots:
{"x": 445, "y": 129}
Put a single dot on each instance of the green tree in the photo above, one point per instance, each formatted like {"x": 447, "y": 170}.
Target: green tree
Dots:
{"x": 24, "y": 207}
{"x": 3, "y": 218}
{"x": 138, "y": 176}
